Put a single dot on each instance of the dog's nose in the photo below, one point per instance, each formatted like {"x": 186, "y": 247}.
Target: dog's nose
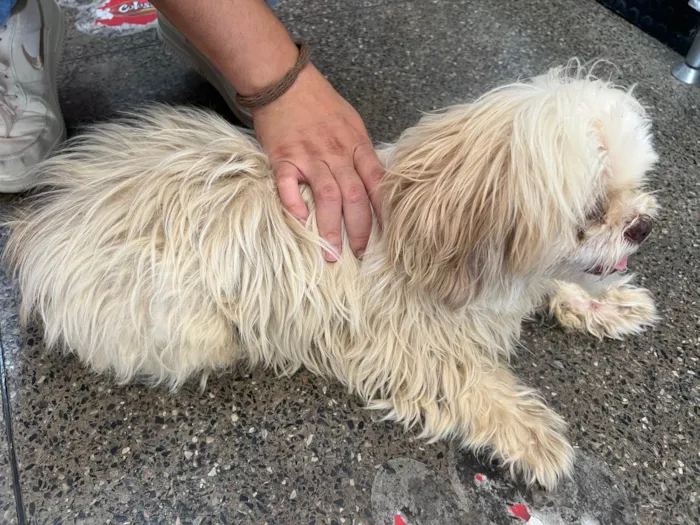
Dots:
{"x": 640, "y": 229}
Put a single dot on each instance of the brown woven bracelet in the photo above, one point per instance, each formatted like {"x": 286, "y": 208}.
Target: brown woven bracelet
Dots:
{"x": 276, "y": 91}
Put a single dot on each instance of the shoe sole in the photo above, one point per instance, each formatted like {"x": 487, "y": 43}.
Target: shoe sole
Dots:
{"x": 179, "y": 45}
{"x": 53, "y": 38}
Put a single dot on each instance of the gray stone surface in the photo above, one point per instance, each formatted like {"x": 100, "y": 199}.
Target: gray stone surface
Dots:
{"x": 407, "y": 488}
{"x": 295, "y": 450}
{"x": 593, "y": 495}
{"x": 8, "y": 515}
{"x": 9, "y": 333}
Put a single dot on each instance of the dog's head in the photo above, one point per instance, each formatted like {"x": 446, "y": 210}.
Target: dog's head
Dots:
{"x": 539, "y": 179}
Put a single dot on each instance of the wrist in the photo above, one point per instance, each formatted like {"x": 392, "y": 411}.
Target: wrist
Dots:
{"x": 301, "y": 92}
{"x": 279, "y": 88}
{"x": 267, "y": 69}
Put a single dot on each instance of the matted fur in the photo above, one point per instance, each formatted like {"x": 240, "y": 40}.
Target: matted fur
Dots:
{"x": 160, "y": 249}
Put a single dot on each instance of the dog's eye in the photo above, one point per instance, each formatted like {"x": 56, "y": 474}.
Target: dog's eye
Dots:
{"x": 597, "y": 213}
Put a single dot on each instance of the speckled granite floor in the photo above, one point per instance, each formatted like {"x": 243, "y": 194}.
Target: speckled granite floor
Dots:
{"x": 300, "y": 450}
{"x": 7, "y": 500}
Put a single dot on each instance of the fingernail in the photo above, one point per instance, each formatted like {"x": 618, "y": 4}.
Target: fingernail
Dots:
{"x": 329, "y": 256}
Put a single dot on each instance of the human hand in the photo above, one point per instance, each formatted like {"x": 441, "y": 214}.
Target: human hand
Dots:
{"x": 313, "y": 136}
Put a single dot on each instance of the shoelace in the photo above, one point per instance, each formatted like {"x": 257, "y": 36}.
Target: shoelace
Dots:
{"x": 8, "y": 112}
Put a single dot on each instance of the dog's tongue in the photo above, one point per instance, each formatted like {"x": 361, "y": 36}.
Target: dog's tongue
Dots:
{"x": 621, "y": 265}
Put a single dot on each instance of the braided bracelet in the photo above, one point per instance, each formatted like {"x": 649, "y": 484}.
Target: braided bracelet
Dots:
{"x": 276, "y": 91}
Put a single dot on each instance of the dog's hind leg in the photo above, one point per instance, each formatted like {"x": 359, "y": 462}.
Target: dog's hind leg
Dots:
{"x": 622, "y": 309}
{"x": 189, "y": 339}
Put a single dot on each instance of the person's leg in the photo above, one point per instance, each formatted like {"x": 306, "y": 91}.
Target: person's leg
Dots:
{"x": 31, "y": 124}
{"x": 183, "y": 48}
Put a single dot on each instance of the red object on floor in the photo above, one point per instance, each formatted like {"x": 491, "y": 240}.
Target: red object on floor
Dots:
{"x": 520, "y": 511}
{"x": 114, "y": 13}
{"x": 479, "y": 478}
{"x": 398, "y": 520}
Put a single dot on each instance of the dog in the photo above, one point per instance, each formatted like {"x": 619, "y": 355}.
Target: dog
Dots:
{"x": 158, "y": 249}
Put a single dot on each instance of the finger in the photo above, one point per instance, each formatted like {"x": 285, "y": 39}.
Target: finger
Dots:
{"x": 329, "y": 205}
{"x": 371, "y": 172}
{"x": 356, "y": 208}
{"x": 288, "y": 178}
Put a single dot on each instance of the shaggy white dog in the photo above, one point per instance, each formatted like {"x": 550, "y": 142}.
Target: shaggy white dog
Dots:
{"x": 160, "y": 249}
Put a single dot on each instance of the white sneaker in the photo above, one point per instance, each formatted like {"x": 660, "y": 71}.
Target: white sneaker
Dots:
{"x": 177, "y": 42}
{"x": 31, "y": 124}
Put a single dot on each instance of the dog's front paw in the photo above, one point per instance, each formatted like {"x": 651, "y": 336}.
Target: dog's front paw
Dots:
{"x": 531, "y": 444}
{"x": 621, "y": 310}
{"x": 494, "y": 413}
{"x": 524, "y": 434}
{"x": 545, "y": 459}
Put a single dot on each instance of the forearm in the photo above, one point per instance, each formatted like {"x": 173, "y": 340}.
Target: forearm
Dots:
{"x": 242, "y": 38}
{"x": 310, "y": 134}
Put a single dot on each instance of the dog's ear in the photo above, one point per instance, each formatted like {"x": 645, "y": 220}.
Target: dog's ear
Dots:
{"x": 477, "y": 195}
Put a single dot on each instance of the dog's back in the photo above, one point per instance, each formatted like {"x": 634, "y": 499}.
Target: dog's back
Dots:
{"x": 154, "y": 236}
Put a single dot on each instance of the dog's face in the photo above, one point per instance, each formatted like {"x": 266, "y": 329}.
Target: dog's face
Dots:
{"x": 619, "y": 213}
{"x": 618, "y": 222}
{"x": 544, "y": 179}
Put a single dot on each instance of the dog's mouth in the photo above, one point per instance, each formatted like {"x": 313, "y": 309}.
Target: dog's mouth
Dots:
{"x": 603, "y": 271}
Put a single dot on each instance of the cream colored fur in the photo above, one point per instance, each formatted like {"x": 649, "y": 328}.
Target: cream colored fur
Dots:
{"x": 159, "y": 249}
